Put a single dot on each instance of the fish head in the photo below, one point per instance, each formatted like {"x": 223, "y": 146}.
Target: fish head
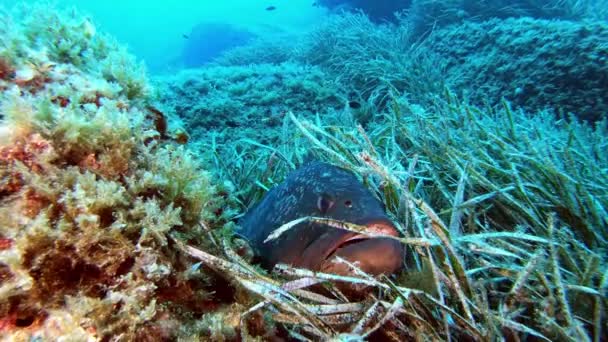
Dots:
{"x": 340, "y": 196}
{"x": 321, "y": 190}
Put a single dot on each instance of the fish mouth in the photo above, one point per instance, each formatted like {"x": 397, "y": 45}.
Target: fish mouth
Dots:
{"x": 376, "y": 228}
{"x": 372, "y": 254}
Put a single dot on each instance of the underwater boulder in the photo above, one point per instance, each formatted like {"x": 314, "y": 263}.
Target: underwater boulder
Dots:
{"x": 246, "y": 101}
{"x": 534, "y": 64}
{"x": 426, "y": 16}
{"x": 208, "y": 40}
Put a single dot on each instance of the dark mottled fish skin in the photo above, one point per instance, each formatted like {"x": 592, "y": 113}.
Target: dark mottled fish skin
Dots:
{"x": 318, "y": 189}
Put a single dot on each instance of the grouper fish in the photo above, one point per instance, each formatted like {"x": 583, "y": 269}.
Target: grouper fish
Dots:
{"x": 322, "y": 190}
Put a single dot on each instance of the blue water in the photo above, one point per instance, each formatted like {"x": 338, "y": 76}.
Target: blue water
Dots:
{"x": 154, "y": 30}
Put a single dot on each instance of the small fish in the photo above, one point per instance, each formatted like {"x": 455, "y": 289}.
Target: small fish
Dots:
{"x": 271, "y": 8}
{"x": 322, "y": 190}
{"x": 185, "y": 36}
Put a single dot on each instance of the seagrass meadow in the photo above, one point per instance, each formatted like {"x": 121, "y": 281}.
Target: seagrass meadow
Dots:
{"x": 120, "y": 190}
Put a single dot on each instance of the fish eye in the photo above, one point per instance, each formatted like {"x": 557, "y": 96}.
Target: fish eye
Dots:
{"x": 348, "y": 203}
{"x": 324, "y": 203}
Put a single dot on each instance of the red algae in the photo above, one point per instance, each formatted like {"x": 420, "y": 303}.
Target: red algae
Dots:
{"x": 5, "y": 243}
{"x": 7, "y": 71}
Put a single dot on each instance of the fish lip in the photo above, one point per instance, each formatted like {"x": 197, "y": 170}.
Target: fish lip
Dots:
{"x": 374, "y": 228}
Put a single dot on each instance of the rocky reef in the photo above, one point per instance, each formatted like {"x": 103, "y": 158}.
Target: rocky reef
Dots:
{"x": 246, "y": 101}
{"x": 535, "y": 64}
{"x": 92, "y": 191}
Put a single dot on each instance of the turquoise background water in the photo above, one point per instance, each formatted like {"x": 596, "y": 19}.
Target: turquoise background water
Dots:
{"x": 153, "y": 30}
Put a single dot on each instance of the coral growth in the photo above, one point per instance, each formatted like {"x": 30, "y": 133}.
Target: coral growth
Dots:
{"x": 89, "y": 201}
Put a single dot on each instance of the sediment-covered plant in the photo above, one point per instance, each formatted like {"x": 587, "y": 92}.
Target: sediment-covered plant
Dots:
{"x": 503, "y": 214}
